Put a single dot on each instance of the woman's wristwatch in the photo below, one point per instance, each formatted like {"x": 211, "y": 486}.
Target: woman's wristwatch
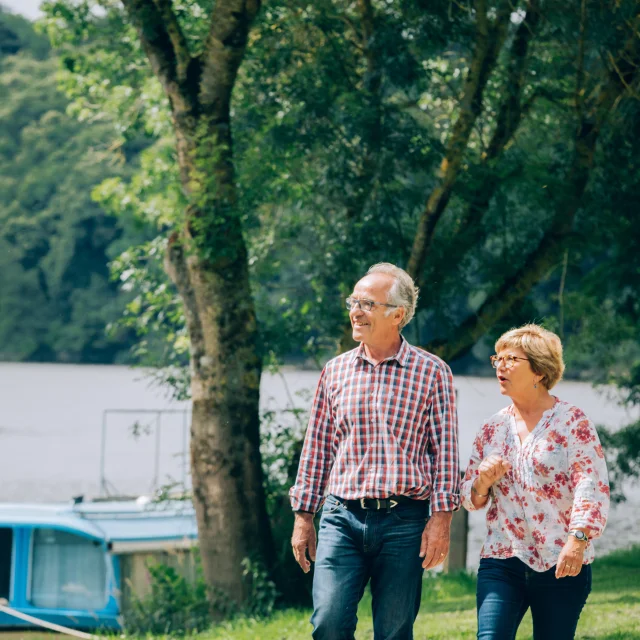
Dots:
{"x": 579, "y": 535}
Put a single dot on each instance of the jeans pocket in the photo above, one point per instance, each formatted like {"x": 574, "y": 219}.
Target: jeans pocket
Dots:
{"x": 331, "y": 505}
{"x": 411, "y": 513}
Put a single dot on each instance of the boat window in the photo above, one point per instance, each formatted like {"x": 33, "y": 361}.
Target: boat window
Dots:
{"x": 67, "y": 571}
{"x": 6, "y": 553}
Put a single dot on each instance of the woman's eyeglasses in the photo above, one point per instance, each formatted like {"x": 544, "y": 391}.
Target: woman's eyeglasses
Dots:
{"x": 508, "y": 360}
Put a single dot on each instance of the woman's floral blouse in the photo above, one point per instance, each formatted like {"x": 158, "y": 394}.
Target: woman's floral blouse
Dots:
{"x": 558, "y": 481}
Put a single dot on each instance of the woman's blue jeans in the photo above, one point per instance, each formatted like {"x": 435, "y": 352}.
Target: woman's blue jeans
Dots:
{"x": 357, "y": 545}
{"x": 507, "y": 588}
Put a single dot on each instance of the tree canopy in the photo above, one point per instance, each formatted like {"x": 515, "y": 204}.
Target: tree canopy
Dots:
{"x": 460, "y": 141}
{"x": 343, "y": 117}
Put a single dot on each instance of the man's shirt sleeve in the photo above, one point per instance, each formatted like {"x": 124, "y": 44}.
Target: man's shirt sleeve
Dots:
{"x": 316, "y": 458}
{"x": 443, "y": 446}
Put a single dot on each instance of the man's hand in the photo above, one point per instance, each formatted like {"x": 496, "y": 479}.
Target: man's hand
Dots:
{"x": 435, "y": 539}
{"x": 303, "y": 540}
{"x": 570, "y": 559}
{"x": 491, "y": 469}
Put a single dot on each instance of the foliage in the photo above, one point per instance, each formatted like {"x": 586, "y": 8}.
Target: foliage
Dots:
{"x": 174, "y": 605}
{"x": 177, "y": 606}
{"x": 603, "y": 309}
{"x": 263, "y": 592}
{"x": 17, "y": 34}
{"x": 338, "y": 140}
{"x": 622, "y": 449}
{"x": 281, "y": 433}
{"x": 55, "y": 241}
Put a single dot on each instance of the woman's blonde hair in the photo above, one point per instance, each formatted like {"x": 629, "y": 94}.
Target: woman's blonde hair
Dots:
{"x": 543, "y": 348}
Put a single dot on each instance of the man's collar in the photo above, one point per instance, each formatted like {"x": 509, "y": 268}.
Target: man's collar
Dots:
{"x": 400, "y": 357}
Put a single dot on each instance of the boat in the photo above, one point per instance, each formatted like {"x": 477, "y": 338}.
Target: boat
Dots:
{"x": 80, "y": 564}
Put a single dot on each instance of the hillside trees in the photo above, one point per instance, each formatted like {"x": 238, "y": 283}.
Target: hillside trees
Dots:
{"x": 56, "y": 294}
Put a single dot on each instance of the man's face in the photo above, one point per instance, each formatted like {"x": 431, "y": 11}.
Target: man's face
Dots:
{"x": 374, "y": 327}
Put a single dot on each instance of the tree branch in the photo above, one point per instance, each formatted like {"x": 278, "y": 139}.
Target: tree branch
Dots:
{"x": 514, "y": 289}
{"x": 153, "y": 27}
{"x": 175, "y": 265}
{"x": 510, "y": 114}
{"x": 223, "y": 52}
{"x": 174, "y": 31}
{"x": 489, "y": 41}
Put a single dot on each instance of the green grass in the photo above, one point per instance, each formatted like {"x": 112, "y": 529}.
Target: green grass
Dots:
{"x": 448, "y": 610}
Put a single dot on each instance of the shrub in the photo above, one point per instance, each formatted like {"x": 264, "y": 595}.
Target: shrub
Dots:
{"x": 174, "y": 606}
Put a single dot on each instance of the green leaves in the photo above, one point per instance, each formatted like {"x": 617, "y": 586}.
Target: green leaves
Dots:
{"x": 55, "y": 242}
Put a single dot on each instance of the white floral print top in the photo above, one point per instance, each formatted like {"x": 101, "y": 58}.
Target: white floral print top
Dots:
{"x": 558, "y": 481}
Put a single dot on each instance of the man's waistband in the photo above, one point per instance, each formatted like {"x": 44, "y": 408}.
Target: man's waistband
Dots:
{"x": 378, "y": 504}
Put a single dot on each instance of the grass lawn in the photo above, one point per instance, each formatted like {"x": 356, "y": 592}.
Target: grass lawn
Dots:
{"x": 448, "y": 609}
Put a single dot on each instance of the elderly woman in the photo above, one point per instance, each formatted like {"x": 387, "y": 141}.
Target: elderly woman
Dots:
{"x": 538, "y": 465}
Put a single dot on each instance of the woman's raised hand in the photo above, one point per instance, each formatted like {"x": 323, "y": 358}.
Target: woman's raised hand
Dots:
{"x": 491, "y": 469}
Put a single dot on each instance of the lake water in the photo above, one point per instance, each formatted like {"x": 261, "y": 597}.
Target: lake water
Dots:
{"x": 53, "y": 419}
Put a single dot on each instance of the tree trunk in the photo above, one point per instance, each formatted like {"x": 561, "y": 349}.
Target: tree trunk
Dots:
{"x": 208, "y": 264}
{"x": 207, "y": 261}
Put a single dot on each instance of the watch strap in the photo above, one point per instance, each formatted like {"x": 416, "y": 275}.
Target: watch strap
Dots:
{"x": 579, "y": 535}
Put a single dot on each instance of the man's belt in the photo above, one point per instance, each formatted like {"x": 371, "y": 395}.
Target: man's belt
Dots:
{"x": 377, "y": 504}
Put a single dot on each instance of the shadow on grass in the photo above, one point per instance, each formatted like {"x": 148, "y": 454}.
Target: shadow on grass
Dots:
{"x": 619, "y": 571}
{"x": 625, "y": 599}
{"x": 633, "y": 635}
{"x": 621, "y": 559}
{"x": 463, "y": 603}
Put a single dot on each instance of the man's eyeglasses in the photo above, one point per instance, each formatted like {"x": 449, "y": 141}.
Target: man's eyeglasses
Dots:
{"x": 366, "y": 305}
{"x": 508, "y": 360}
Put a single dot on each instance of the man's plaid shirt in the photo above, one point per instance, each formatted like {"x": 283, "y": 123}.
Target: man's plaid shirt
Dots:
{"x": 377, "y": 431}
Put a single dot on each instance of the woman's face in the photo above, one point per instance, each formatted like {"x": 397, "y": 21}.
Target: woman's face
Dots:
{"x": 515, "y": 376}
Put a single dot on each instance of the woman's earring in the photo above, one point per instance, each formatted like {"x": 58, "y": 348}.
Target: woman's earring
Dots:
{"x": 535, "y": 385}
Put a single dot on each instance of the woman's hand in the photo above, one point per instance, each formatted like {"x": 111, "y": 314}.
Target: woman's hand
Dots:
{"x": 570, "y": 558}
{"x": 491, "y": 469}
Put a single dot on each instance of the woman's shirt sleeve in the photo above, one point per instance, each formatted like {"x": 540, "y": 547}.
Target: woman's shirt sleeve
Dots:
{"x": 588, "y": 477}
{"x": 472, "y": 472}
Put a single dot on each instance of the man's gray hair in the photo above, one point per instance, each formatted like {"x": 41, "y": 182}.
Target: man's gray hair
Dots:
{"x": 403, "y": 292}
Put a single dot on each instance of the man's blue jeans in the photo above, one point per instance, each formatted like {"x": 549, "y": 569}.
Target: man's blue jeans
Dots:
{"x": 357, "y": 545}
{"x": 507, "y": 588}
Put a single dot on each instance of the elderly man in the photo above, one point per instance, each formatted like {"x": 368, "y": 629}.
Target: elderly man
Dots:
{"x": 382, "y": 445}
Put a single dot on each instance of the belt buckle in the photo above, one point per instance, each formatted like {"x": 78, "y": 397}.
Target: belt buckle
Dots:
{"x": 362, "y": 504}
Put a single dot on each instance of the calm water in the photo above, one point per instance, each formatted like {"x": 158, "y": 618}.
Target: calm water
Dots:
{"x": 52, "y": 419}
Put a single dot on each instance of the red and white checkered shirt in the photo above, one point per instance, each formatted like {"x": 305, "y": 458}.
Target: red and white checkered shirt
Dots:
{"x": 378, "y": 431}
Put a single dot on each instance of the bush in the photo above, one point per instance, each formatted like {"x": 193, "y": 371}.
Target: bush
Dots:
{"x": 262, "y": 590}
{"x": 177, "y": 605}
{"x": 174, "y": 606}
